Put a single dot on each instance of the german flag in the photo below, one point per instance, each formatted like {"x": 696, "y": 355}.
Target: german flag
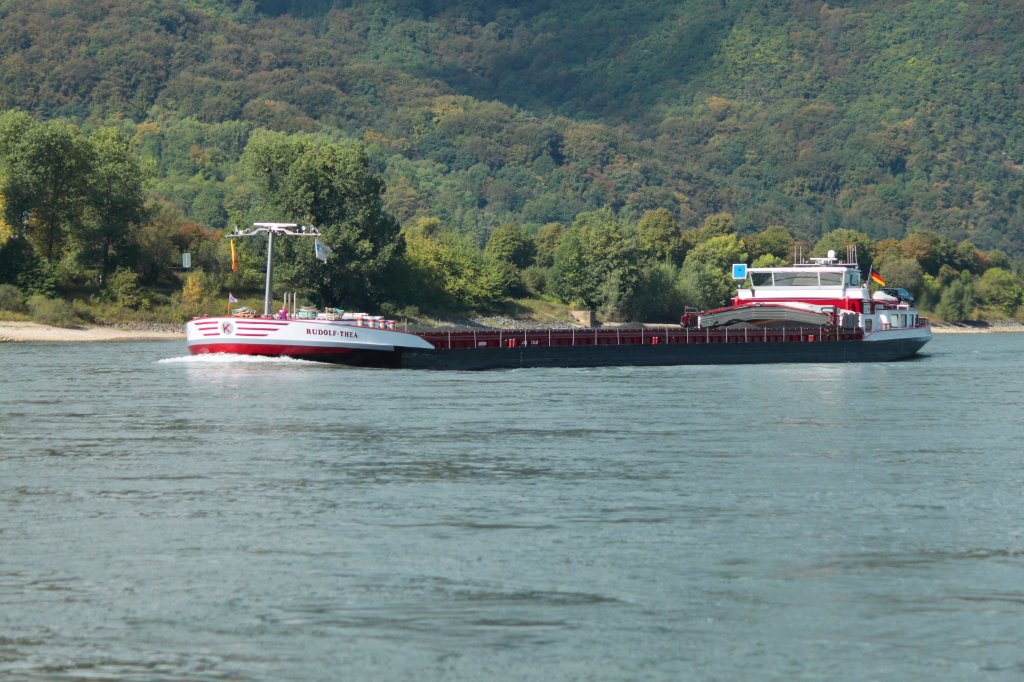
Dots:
{"x": 877, "y": 279}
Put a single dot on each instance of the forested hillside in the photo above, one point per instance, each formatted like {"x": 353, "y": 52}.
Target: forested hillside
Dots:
{"x": 877, "y": 117}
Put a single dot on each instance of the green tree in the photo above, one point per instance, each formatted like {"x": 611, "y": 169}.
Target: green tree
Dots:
{"x": 14, "y": 125}
{"x": 123, "y": 287}
{"x": 574, "y": 277}
{"x": 704, "y": 286}
{"x": 155, "y": 250}
{"x": 659, "y": 233}
{"x": 546, "y": 241}
{"x": 331, "y": 186}
{"x": 966, "y": 257}
{"x": 902, "y": 272}
{"x": 116, "y": 198}
{"x": 448, "y": 272}
{"x": 658, "y": 296}
{"x": 998, "y": 259}
{"x": 715, "y": 225}
{"x": 774, "y": 240}
{"x": 769, "y": 261}
{"x": 600, "y": 263}
{"x": 930, "y": 294}
{"x": 510, "y": 244}
{"x": 22, "y": 266}
{"x": 930, "y": 249}
{"x": 704, "y": 278}
{"x": 48, "y": 175}
{"x": 999, "y": 290}
{"x": 196, "y": 292}
{"x": 840, "y": 240}
{"x": 720, "y": 252}
{"x": 958, "y": 299}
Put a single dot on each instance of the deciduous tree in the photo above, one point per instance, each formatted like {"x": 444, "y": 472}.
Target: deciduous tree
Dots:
{"x": 302, "y": 179}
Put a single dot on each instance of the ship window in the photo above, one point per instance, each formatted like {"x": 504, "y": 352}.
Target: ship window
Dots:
{"x": 831, "y": 279}
{"x": 867, "y": 325}
{"x": 796, "y": 279}
{"x": 761, "y": 279}
{"x": 853, "y": 279}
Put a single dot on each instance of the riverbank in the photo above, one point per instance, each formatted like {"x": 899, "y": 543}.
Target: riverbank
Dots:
{"x": 32, "y": 332}
{"x": 978, "y": 328}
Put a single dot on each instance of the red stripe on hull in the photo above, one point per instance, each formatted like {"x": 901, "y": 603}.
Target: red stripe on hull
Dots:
{"x": 293, "y": 351}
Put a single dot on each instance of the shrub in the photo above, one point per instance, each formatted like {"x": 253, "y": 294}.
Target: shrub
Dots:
{"x": 123, "y": 287}
{"x": 196, "y": 291}
{"x": 84, "y": 311}
{"x": 958, "y": 299}
{"x": 51, "y": 312}
{"x": 535, "y": 279}
{"x": 11, "y": 299}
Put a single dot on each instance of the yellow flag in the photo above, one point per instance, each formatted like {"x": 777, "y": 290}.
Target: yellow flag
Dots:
{"x": 234, "y": 258}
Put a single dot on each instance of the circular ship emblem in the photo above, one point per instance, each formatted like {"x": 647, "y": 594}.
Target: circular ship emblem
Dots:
{"x": 227, "y": 328}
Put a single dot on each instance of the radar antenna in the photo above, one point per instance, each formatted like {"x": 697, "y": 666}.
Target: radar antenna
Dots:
{"x": 270, "y": 229}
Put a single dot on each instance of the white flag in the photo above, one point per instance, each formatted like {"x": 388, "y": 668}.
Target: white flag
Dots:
{"x": 321, "y": 250}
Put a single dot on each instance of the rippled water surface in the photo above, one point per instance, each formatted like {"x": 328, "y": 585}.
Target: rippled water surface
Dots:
{"x": 168, "y": 518}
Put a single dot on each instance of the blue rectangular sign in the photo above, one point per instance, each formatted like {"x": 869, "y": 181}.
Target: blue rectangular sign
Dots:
{"x": 739, "y": 270}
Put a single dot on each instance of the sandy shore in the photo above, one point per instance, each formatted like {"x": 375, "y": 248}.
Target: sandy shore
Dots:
{"x": 979, "y": 328}
{"x": 31, "y": 332}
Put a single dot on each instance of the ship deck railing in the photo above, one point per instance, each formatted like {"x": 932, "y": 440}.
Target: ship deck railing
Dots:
{"x": 519, "y": 338}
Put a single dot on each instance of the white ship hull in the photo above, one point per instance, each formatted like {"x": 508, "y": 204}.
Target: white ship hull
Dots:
{"x": 297, "y": 338}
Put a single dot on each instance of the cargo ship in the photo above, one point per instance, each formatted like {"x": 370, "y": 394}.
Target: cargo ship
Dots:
{"x": 820, "y": 311}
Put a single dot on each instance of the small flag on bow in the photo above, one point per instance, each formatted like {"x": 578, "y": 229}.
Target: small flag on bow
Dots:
{"x": 232, "y": 299}
{"x": 321, "y": 250}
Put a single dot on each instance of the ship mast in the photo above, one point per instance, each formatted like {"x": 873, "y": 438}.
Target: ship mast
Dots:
{"x": 270, "y": 229}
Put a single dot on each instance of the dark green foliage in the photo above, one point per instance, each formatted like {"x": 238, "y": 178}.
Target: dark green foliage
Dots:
{"x": 329, "y": 186}
{"x": 508, "y": 243}
{"x": 902, "y": 272}
{"x": 705, "y": 276}
{"x": 46, "y": 185}
{"x": 546, "y": 241}
{"x": 574, "y": 277}
{"x": 444, "y": 271}
{"x": 704, "y": 286}
{"x": 76, "y": 199}
{"x": 123, "y": 287}
{"x": 52, "y": 312}
{"x": 659, "y": 234}
{"x": 864, "y": 122}
{"x": 774, "y": 240}
{"x": 11, "y": 299}
{"x": 839, "y": 241}
{"x": 600, "y": 264}
{"x": 20, "y": 265}
{"x": 658, "y": 297}
{"x": 872, "y": 117}
{"x": 999, "y": 290}
{"x": 535, "y": 280}
{"x": 512, "y": 251}
{"x": 958, "y": 299}
{"x": 115, "y": 201}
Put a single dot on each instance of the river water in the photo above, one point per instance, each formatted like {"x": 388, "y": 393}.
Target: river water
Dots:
{"x": 170, "y": 518}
